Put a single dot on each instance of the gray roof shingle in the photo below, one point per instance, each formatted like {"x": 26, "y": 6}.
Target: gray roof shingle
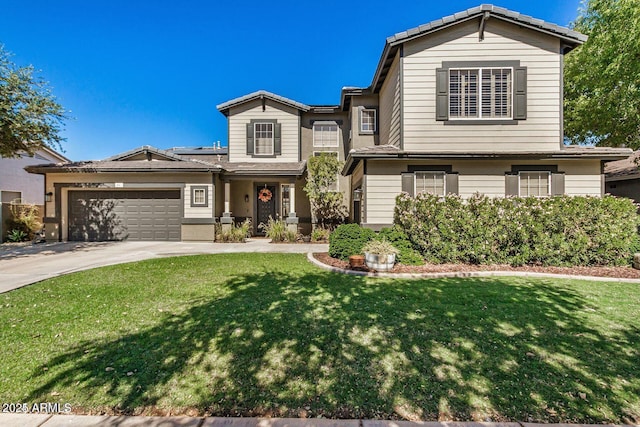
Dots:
{"x": 225, "y": 106}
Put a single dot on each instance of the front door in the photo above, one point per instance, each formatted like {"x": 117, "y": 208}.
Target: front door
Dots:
{"x": 266, "y": 206}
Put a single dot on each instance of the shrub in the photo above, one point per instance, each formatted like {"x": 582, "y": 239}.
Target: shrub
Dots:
{"x": 26, "y": 218}
{"x": 348, "y": 239}
{"x": 581, "y": 230}
{"x": 406, "y": 253}
{"x": 238, "y": 233}
{"x": 320, "y": 234}
{"x": 16, "y": 235}
{"x": 278, "y": 231}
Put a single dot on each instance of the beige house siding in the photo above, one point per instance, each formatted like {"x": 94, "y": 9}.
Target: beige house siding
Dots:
{"x": 201, "y": 211}
{"x": 487, "y": 177}
{"x": 241, "y": 115}
{"x": 541, "y": 55}
{"x": 389, "y": 119}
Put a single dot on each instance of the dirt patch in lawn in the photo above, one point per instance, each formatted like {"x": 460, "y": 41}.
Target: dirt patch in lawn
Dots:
{"x": 615, "y": 272}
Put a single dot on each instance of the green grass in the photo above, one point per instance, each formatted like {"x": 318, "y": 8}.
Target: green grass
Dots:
{"x": 269, "y": 334}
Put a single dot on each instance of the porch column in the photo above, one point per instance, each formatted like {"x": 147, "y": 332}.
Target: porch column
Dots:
{"x": 292, "y": 200}
{"x": 292, "y": 220}
{"x": 227, "y": 220}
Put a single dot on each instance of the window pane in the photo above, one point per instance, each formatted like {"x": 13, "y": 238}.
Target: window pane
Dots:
{"x": 325, "y": 135}
{"x": 286, "y": 201}
{"x": 368, "y": 121}
{"x": 496, "y": 92}
{"x": 534, "y": 184}
{"x": 430, "y": 182}
{"x": 263, "y": 138}
{"x": 463, "y": 93}
{"x": 198, "y": 196}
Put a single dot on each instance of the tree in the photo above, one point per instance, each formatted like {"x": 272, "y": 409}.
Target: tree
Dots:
{"x": 327, "y": 206}
{"x": 30, "y": 117}
{"x": 602, "y": 77}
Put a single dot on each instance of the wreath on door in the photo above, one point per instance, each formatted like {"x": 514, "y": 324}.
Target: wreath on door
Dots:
{"x": 265, "y": 195}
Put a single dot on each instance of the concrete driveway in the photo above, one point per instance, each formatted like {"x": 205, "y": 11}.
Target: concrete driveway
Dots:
{"x": 24, "y": 265}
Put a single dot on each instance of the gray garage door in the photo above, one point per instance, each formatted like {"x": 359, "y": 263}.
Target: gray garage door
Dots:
{"x": 118, "y": 215}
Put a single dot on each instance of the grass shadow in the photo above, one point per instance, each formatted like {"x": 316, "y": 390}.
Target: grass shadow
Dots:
{"x": 320, "y": 344}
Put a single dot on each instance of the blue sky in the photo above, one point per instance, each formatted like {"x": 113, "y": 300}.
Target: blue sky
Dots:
{"x": 136, "y": 72}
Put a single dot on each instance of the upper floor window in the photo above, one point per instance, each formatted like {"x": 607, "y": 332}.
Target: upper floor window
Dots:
{"x": 480, "y": 93}
{"x": 534, "y": 184}
{"x": 325, "y": 135}
{"x": 430, "y": 182}
{"x": 263, "y": 139}
{"x": 368, "y": 120}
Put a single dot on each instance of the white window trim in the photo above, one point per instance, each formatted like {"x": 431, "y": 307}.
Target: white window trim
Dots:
{"x": 273, "y": 138}
{"x": 444, "y": 182}
{"x": 479, "y": 106}
{"x": 548, "y": 183}
{"x": 337, "y": 144}
{"x": 375, "y": 120}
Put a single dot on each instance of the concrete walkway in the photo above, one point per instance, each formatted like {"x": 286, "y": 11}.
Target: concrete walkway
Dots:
{"x": 24, "y": 265}
{"x": 37, "y": 420}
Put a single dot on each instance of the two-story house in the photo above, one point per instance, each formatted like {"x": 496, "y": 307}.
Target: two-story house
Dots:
{"x": 469, "y": 103}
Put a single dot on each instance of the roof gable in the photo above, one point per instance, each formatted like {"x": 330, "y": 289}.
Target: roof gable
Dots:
{"x": 146, "y": 152}
{"x": 480, "y": 13}
{"x": 261, "y": 94}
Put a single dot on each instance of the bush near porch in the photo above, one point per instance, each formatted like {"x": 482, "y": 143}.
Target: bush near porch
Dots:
{"x": 555, "y": 231}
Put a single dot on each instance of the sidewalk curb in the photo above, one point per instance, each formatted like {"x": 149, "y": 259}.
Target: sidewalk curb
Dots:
{"x": 50, "y": 420}
{"x": 465, "y": 274}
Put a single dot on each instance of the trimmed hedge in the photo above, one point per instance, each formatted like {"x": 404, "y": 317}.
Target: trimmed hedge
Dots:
{"x": 406, "y": 253}
{"x": 348, "y": 239}
{"x": 560, "y": 231}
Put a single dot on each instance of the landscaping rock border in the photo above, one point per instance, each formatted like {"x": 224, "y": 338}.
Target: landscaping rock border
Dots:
{"x": 465, "y": 274}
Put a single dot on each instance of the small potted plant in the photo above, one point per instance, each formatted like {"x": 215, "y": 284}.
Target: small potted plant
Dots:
{"x": 379, "y": 255}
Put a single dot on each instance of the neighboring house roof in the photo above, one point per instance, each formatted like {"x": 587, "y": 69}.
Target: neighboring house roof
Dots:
{"x": 623, "y": 169}
{"x": 254, "y": 168}
{"x": 148, "y": 150}
{"x": 126, "y": 166}
{"x": 50, "y": 152}
{"x": 567, "y": 152}
{"x": 261, "y": 94}
{"x": 141, "y": 159}
{"x": 483, "y": 12}
{"x": 200, "y": 151}
{"x": 156, "y": 160}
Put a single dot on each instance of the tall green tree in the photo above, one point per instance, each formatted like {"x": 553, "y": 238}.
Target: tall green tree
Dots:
{"x": 327, "y": 206}
{"x": 30, "y": 116}
{"x": 602, "y": 77}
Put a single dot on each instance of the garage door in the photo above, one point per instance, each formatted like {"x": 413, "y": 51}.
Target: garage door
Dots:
{"x": 119, "y": 215}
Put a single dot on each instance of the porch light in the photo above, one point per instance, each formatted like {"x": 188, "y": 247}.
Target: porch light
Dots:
{"x": 48, "y": 196}
{"x": 357, "y": 195}
{"x": 246, "y": 198}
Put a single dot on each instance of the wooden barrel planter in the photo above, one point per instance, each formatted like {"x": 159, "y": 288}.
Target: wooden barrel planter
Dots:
{"x": 356, "y": 261}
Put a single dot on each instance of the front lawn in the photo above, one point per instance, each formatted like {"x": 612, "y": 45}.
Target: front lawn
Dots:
{"x": 270, "y": 334}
